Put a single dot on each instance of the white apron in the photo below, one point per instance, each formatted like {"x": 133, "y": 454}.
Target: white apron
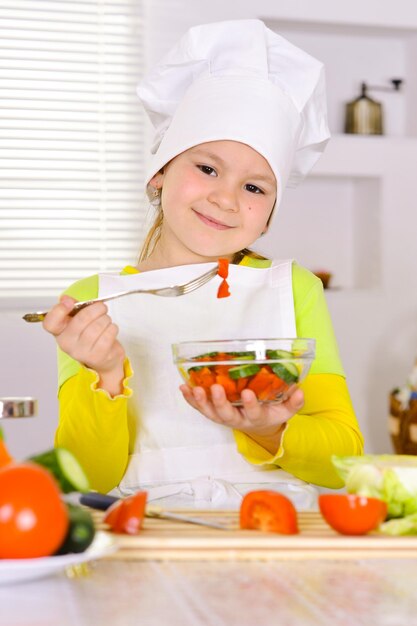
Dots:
{"x": 179, "y": 456}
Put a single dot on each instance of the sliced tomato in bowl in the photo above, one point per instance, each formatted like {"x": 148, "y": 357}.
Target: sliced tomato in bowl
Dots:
{"x": 268, "y": 511}
{"x": 351, "y": 514}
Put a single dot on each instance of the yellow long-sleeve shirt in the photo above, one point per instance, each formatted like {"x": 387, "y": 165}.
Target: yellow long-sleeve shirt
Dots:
{"x": 94, "y": 426}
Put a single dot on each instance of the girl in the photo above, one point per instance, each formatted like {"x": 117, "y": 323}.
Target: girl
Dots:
{"x": 239, "y": 113}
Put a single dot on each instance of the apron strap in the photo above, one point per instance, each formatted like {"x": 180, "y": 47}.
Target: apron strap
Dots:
{"x": 281, "y": 278}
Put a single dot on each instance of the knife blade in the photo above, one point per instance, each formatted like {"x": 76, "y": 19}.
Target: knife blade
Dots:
{"x": 102, "y": 502}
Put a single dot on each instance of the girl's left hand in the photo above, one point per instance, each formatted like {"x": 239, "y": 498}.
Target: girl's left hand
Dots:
{"x": 253, "y": 418}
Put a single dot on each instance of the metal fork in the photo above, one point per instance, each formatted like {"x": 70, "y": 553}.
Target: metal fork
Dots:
{"x": 170, "y": 292}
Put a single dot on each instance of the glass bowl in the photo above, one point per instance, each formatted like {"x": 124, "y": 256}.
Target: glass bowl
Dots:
{"x": 270, "y": 367}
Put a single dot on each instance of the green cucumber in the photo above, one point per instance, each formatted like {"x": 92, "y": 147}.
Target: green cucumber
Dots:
{"x": 242, "y": 356}
{"x": 279, "y": 354}
{"x": 242, "y": 371}
{"x": 288, "y": 372}
{"x": 81, "y": 530}
{"x": 65, "y": 468}
{"x": 205, "y": 355}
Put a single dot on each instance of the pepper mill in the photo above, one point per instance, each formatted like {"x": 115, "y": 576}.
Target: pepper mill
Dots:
{"x": 364, "y": 116}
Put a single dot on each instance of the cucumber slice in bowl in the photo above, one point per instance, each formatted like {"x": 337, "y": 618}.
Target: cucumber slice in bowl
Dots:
{"x": 206, "y": 355}
{"x": 288, "y": 372}
{"x": 279, "y": 354}
{"x": 242, "y": 371}
{"x": 65, "y": 468}
{"x": 243, "y": 356}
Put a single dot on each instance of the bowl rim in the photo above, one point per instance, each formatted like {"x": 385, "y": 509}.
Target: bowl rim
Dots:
{"x": 250, "y": 339}
{"x": 309, "y": 342}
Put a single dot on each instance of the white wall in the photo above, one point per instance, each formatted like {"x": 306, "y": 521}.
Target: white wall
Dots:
{"x": 375, "y": 313}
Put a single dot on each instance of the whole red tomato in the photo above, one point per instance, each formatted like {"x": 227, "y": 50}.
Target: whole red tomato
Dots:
{"x": 33, "y": 518}
{"x": 350, "y": 514}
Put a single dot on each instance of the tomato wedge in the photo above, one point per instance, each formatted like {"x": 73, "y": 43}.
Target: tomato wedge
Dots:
{"x": 268, "y": 511}
{"x": 126, "y": 516}
{"x": 223, "y": 290}
{"x": 223, "y": 272}
{"x": 351, "y": 514}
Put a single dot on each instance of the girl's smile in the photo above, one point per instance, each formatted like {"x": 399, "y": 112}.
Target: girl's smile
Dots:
{"x": 213, "y": 223}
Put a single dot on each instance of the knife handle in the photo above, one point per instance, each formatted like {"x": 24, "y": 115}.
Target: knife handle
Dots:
{"x": 99, "y": 501}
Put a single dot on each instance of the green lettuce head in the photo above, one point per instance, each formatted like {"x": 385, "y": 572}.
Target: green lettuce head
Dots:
{"x": 389, "y": 477}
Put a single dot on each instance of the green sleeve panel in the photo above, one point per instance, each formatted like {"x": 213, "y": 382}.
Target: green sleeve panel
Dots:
{"x": 312, "y": 319}
{"x": 84, "y": 289}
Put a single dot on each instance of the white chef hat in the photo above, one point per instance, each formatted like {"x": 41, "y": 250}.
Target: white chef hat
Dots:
{"x": 238, "y": 80}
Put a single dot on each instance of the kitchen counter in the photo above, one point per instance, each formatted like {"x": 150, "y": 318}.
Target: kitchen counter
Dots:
{"x": 372, "y": 592}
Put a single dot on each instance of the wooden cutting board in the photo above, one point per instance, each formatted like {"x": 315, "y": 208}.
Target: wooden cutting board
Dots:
{"x": 179, "y": 541}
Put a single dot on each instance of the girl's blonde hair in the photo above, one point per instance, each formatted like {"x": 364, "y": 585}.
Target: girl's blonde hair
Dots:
{"x": 154, "y": 234}
{"x": 152, "y": 237}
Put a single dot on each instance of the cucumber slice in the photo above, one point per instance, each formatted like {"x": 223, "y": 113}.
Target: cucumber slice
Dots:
{"x": 288, "y": 372}
{"x": 80, "y": 532}
{"x": 242, "y": 356}
{"x": 205, "y": 355}
{"x": 65, "y": 468}
{"x": 279, "y": 354}
{"x": 242, "y": 371}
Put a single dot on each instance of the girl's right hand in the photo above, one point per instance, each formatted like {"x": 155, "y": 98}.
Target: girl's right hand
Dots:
{"x": 90, "y": 337}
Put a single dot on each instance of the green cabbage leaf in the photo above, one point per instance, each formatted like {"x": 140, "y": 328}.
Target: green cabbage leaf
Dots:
{"x": 400, "y": 526}
{"x": 389, "y": 477}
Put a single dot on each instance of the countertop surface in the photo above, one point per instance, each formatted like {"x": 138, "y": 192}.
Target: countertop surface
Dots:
{"x": 372, "y": 592}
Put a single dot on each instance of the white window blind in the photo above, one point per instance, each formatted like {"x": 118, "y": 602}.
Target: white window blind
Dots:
{"x": 71, "y": 141}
